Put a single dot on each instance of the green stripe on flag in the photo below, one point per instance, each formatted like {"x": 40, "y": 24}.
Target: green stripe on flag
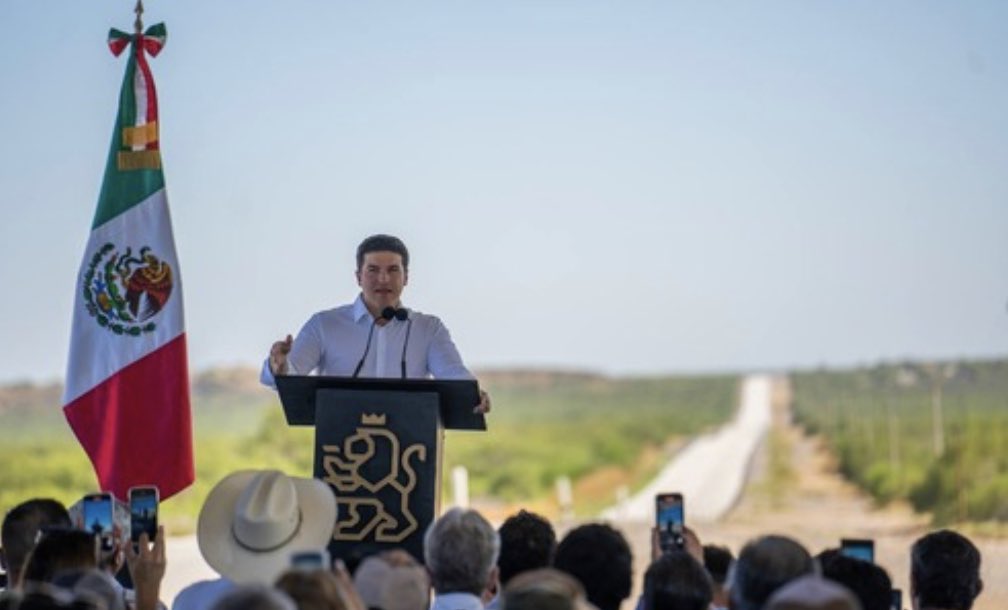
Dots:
{"x": 122, "y": 190}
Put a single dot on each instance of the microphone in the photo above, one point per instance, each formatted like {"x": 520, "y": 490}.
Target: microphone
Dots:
{"x": 367, "y": 347}
{"x": 402, "y": 363}
{"x": 399, "y": 313}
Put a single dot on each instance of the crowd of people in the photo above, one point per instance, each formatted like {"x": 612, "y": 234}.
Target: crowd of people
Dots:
{"x": 253, "y": 523}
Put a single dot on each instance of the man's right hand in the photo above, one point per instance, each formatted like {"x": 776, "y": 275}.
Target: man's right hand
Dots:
{"x": 278, "y": 356}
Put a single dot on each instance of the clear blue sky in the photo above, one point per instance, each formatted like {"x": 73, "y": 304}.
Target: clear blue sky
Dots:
{"x": 628, "y": 187}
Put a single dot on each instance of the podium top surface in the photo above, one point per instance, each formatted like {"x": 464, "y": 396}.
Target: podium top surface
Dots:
{"x": 457, "y": 397}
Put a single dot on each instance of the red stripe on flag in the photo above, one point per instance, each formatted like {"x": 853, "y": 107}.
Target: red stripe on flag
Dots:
{"x": 151, "y": 112}
{"x": 136, "y": 426}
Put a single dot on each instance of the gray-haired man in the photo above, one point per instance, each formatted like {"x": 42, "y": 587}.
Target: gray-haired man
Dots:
{"x": 460, "y": 550}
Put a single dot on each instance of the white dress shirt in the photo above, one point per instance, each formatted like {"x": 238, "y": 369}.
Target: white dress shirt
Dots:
{"x": 332, "y": 343}
{"x": 456, "y": 601}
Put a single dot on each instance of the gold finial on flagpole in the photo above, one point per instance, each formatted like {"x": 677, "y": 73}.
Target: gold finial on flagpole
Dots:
{"x": 138, "y": 24}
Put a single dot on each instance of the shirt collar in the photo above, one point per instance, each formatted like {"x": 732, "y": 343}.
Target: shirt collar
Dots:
{"x": 457, "y": 601}
{"x": 360, "y": 310}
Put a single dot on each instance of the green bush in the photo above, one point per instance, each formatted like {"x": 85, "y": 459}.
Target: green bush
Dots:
{"x": 880, "y": 422}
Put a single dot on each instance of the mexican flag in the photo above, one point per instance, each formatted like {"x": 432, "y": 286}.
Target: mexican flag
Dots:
{"x": 127, "y": 383}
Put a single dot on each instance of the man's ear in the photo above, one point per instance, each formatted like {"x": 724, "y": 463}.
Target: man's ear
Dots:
{"x": 405, "y": 277}
{"x": 3, "y": 561}
{"x": 492, "y": 586}
{"x": 357, "y": 275}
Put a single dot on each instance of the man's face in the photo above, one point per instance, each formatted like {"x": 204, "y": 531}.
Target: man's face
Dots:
{"x": 382, "y": 278}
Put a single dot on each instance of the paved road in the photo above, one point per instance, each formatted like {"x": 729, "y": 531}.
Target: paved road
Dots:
{"x": 185, "y": 566}
{"x": 710, "y": 472}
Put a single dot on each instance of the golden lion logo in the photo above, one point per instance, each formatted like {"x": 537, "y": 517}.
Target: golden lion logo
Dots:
{"x": 362, "y": 518}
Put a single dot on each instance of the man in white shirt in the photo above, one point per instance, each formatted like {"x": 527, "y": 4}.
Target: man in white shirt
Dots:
{"x": 375, "y": 336}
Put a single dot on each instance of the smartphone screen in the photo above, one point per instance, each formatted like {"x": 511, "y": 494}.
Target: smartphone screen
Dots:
{"x": 670, "y": 517}
{"x": 143, "y": 505}
{"x": 97, "y": 510}
{"x": 310, "y": 560}
{"x": 897, "y": 599}
{"x": 858, "y": 548}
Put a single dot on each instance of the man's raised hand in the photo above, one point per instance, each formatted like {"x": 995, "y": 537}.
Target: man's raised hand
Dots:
{"x": 278, "y": 356}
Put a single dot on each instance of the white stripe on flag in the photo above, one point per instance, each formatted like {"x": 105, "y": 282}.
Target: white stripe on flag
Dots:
{"x": 97, "y": 352}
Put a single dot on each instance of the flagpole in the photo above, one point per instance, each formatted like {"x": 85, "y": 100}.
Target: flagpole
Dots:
{"x": 138, "y": 24}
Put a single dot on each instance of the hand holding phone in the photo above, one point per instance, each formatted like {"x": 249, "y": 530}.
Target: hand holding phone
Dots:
{"x": 670, "y": 519}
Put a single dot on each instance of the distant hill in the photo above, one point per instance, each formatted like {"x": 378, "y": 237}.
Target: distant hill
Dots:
{"x": 234, "y": 382}
{"x": 238, "y": 384}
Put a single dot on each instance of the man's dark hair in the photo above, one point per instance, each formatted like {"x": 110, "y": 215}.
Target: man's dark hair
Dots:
{"x": 599, "y": 557}
{"x": 867, "y": 581}
{"x": 20, "y": 528}
{"x": 527, "y": 542}
{"x": 765, "y": 565}
{"x": 945, "y": 571}
{"x": 677, "y": 581}
{"x": 61, "y": 550}
{"x": 382, "y": 243}
{"x": 717, "y": 560}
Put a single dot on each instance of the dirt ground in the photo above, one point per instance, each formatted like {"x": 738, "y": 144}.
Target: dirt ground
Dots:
{"x": 794, "y": 489}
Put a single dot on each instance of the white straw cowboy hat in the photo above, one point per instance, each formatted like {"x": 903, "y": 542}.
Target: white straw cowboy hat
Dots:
{"x": 253, "y": 520}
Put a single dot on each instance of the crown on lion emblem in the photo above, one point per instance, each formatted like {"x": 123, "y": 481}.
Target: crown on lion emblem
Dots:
{"x": 123, "y": 292}
{"x": 372, "y": 420}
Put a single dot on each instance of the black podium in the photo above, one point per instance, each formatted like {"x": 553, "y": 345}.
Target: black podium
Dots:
{"x": 378, "y": 445}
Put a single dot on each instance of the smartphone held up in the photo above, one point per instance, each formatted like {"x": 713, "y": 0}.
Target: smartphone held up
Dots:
{"x": 98, "y": 511}
{"x": 670, "y": 520}
{"x": 143, "y": 509}
{"x": 858, "y": 548}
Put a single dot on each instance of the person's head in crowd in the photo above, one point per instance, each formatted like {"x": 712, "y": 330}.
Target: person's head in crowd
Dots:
{"x": 868, "y": 581}
{"x": 528, "y": 542}
{"x": 393, "y": 580}
{"x": 314, "y": 590}
{"x": 254, "y": 596}
{"x": 717, "y": 560}
{"x": 763, "y": 566}
{"x": 598, "y": 556}
{"x": 92, "y": 583}
{"x": 460, "y": 550}
{"x": 252, "y": 521}
{"x": 544, "y": 589}
{"x": 20, "y": 528}
{"x": 812, "y": 593}
{"x": 111, "y": 557}
{"x": 60, "y": 550}
{"x": 944, "y": 572}
{"x": 677, "y": 581}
